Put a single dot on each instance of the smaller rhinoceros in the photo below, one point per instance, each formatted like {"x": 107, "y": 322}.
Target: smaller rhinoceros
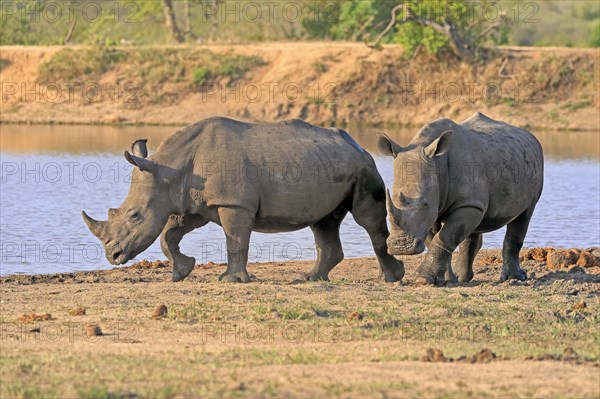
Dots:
{"x": 267, "y": 177}
{"x": 452, "y": 183}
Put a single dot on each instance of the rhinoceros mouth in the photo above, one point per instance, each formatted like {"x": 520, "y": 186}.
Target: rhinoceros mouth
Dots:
{"x": 117, "y": 255}
{"x": 405, "y": 245}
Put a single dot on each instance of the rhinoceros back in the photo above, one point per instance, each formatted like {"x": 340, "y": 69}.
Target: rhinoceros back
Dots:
{"x": 288, "y": 170}
{"x": 500, "y": 168}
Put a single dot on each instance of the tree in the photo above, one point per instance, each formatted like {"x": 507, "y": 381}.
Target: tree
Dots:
{"x": 171, "y": 22}
{"x": 460, "y": 26}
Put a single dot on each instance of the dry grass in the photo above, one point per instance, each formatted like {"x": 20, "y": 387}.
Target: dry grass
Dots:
{"x": 354, "y": 336}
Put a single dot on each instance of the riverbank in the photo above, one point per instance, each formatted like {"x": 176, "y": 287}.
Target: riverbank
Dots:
{"x": 353, "y": 336}
{"x": 321, "y": 82}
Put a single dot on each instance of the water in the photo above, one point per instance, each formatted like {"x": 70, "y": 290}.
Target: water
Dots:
{"x": 51, "y": 173}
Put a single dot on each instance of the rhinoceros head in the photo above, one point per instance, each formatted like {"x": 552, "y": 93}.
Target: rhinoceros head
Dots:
{"x": 413, "y": 204}
{"x": 134, "y": 226}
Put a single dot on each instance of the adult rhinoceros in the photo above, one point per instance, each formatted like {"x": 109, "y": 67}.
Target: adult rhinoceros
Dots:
{"x": 452, "y": 183}
{"x": 270, "y": 177}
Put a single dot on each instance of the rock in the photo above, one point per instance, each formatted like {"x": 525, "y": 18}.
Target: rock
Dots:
{"x": 160, "y": 311}
{"x": 78, "y": 311}
{"x": 588, "y": 259}
{"x": 93, "y": 330}
{"x": 561, "y": 259}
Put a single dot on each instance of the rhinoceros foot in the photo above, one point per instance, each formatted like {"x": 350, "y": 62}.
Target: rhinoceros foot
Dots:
{"x": 182, "y": 267}
{"x": 237, "y": 277}
{"x": 464, "y": 276}
{"x": 518, "y": 274}
{"x": 393, "y": 275}
{"x": 316, "y": 276}
{"x": 448, "y": 280}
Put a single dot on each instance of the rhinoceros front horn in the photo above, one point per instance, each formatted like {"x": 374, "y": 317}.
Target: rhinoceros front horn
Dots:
{"x": 97, "y": 228}
{"x": 392, "y": 210}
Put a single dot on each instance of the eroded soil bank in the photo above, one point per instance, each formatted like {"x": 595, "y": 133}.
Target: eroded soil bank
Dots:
{"x": 321, "y": 82}
{"x": 353, "y": 336}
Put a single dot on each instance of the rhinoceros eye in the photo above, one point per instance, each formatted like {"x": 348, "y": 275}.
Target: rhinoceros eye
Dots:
{"x": 134, "y": 216}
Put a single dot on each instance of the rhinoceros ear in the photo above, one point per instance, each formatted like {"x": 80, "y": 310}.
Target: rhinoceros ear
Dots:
{"x": 138, "y": 148}
{"x": 440, "y": 146}
{"x": 386, "y": 146}
{"x": 145, "y": 165}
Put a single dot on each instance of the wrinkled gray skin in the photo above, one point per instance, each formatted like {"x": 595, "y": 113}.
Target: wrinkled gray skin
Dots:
{"x": 452, "y": 183}
{"x": 271, "y": 177}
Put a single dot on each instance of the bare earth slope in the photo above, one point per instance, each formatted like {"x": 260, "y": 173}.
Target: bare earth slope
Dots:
{"x": 352, "y": 337}
{"x": 322, "y": 82}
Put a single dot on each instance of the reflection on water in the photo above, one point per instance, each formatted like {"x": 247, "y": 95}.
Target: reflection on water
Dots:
{"x": 115, "y": 139}
{"x": 51, "y": 173}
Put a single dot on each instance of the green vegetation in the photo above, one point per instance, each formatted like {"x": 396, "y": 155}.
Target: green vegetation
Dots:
{"x": 202, "y": 75}
{"x": 139, "y": 22}
{"x": 153, "y": 68}
{"x": 595, "y": 42}
{"x": 68, "y": 65}
{"x": 236, "y": 66}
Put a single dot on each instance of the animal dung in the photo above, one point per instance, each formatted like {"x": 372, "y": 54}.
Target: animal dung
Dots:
{"x": 355, "y": 316}
{"x": 78, "y": 311}
{"x": 160, "y": 311}
{"x": 31, "y": 317}
{"x": 93, "y": 330}
{"x": 434, "y": 356}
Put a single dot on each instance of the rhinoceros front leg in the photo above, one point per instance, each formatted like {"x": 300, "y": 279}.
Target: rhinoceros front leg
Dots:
{"x": 436, "y": 266}
{"x": 177, "y": 226}
{"x": 237, "y": 224}
{"x": 513, "y": 242}
{"x": 468, "y": 250}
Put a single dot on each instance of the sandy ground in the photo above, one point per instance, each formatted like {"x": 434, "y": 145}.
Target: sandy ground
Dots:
{"x": 352, "y": 337}
{"x": 321, "y": 82}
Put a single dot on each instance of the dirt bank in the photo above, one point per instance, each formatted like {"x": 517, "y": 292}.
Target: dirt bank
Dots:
{"x": 353, "y": 336}
{"x": 327, "y": 83}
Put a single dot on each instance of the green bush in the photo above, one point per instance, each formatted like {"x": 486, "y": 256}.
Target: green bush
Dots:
{"x": 69, "y": 65}
{"x": 595, "y": 42}
{"x": 236, "y": 66}
{"x": 201, "y": 75}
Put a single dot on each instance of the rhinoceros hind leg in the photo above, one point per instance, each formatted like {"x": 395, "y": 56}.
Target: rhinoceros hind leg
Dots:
{"x": 177, "y": 226}
{"x": 513, "y": 242}
{"x": 468, "y": 250}
{"x": 329, "y": 246}
{"x": 369, "y": 211}
{"x": 237, "y": 224}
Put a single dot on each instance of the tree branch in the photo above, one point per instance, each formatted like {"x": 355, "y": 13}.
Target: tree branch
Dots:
{"x": 394, "y": 11}
{"x": 492, "y": 27}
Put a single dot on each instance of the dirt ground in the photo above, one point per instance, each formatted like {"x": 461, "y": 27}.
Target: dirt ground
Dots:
{"x": 354, "y": 336}
{"x": 321, "y": 82}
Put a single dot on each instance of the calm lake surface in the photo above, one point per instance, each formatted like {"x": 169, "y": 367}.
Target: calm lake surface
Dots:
{"x": 51, "y": 173}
